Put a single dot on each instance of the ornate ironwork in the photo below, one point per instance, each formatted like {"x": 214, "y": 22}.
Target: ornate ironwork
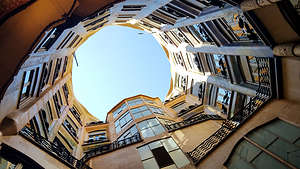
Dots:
{"x": 111, "y": 147}
{"x": 191, "y": 121}
{"x": 263, "y": 94}
{"x": 60, "y": 153}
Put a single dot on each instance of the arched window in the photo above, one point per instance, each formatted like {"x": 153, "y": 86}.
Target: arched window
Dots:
{"x": 274, "y": 145}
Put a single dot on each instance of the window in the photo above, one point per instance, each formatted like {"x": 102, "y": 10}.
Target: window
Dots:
{"x": 57, "y": 104}
{"x": 278, "y": 139}
{"x": 196, "y": 63}
{"x": 200, "y": 32}
{"x": 178, "y": 59}
{"x": 253, "y": 67}
{"x": 65, "y": 65}
{"x": 119, "y": 110}
{"x": 45, "y": 75}
{"x": 46, "y": 119}
{"x": 165, "y": 121}
{"x": 28, "y": 84}
{"x": 241, "y": 28}
{"x": 66, "y": 91}
{"x": 162, "y": 153}
{"x": 150, "y": 128}
{"x": 220, "y": 63}
{"x": 135, "y": 102}
{"x": 123, "y": 121}
{"x": 197, "y": 89}
{"x": 178, "y": 106}
{"x": 76, "y": 114}
{"x": 149, "y": 101}
{"x": 97, "y": 136}
{"x": 49, "y": 40}
{"x": 57, "y": 68}
{"x": 156, "y": 110}
{"x": 58, "y": 143}
{"x": 223, "y": 100}
{"x": 71, "y": 127}
{"x": 129, "y": 133}
{"x": 140, "y": 112}
{"x": 133, "y": 7}
{"x": 6, "y": 164}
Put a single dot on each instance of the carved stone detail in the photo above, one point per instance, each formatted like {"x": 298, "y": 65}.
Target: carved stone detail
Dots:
{"x": 288, "y": 49}
{"x": 248, "y": 5}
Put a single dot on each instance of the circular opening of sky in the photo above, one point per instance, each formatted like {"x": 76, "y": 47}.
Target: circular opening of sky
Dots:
{"x": 119, "y": 62}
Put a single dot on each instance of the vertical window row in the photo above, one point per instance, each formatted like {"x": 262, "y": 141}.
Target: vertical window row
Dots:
{"x": 28, "y": 86}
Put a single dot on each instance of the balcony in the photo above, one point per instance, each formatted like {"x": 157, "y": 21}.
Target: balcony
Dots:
{"x": 189, "y": 109}
{"x": 192, "y": 121}
{"x": 111, "y": 147}
{"x": 59, "y": 153}
{"x": 263, "y": 95}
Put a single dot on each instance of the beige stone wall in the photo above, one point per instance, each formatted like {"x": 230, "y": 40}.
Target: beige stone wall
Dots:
{"x": 188, "y": 138}
{"x": 125, "y": 158}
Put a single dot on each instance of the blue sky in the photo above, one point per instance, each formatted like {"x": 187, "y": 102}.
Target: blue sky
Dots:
{"x": 116, "y": 63}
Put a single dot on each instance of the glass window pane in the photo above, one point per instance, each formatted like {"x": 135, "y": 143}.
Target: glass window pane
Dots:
{"x": 137, "y": 115}
{"x": 262, "y": 137}
{"x": 146, "y": 113}
{"x": 179, "y": 158}
{"x": 147, "y": 133}
{"x": 247, "y": 151}
{"x": 128, "y": 117}
{"x": 153, "y": 122}
{"x": 145, "y": 152}
{"x": 158, "y": 129}
{"x": 133, "y": 130}
{"x": 287, "y": 151}
{"x": 169, "y": 144}
{"x": 155, "y": 144}
{"x": 236, "y": 162}
{"x": 143, "y": 125}
{"x": 122, "y": 122}
{"x": 118, "y": 129}
{"x": 265, "y": 161}
{"x": 150, "y": 164}
{"x": 284, "y": 130}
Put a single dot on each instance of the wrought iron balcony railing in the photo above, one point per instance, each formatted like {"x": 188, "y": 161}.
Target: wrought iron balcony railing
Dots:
{"x": 263, "y": 94}
{"x": 191, "y": 121}
{"x": 58, "y": 152}
{"x": 189, "y": 109}
{"x": 111, "y": 147}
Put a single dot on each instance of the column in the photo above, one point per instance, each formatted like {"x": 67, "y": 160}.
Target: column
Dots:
{"x": 225, "y": 84}
{"x": 248, "y": 5}
{"x": 206, "y": 15}
{"x": 258, "y": 51}
{"x": 288, "y": 49}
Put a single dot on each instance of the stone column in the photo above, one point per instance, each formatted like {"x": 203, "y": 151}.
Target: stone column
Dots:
{"x": 288, "y": 49}
{"x": 248, "y": 5}
{"x": 225, "y": 84}
{"x": 206, "y": 15}
{"x": 258, "y": 51}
